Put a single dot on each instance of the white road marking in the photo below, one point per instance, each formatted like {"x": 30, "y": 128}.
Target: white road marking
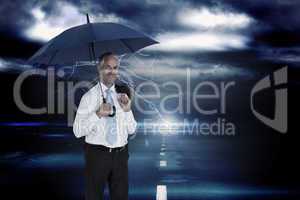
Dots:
{"x": 146, "y": 143}
{"x": 163, "y": 163}
{"x": 161, "y": 192}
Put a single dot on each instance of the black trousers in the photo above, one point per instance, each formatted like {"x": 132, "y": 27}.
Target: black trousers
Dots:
{"x": 103, "y": 167}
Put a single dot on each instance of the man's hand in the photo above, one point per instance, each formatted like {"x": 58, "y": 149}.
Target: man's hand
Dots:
{"x": 124, "y": 102}
{"x": 104, "y": 110}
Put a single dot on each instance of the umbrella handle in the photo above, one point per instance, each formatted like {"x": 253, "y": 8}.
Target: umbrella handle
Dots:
{"x": 113, "y": 107}
{"x": 114, "y": 111}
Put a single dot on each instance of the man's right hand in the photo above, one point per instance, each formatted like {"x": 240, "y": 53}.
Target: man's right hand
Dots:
{"x": 104, "y": 110}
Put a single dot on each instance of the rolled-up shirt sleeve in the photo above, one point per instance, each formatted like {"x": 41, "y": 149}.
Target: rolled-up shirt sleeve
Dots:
{"x": 131, "y": 124}
{"x": 86, "y": 120}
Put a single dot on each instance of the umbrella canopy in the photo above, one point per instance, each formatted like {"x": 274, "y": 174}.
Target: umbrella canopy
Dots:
{"x": 85, "y": 42}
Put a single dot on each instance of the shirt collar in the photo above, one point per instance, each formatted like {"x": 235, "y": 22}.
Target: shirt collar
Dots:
{"x": 104, "y": 87}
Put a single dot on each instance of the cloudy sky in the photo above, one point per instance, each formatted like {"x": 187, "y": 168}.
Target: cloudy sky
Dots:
{"x": 217, "y": 40}
{"x": 194, "y": 33}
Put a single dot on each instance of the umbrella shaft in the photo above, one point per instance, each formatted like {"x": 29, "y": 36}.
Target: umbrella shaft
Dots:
{"x": 93, "y": 59}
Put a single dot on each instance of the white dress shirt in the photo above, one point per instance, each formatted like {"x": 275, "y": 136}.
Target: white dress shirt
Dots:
{"x": 88, "y": 124}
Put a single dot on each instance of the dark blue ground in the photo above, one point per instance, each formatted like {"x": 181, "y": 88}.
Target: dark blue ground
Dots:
{"x": 41, "y": 162}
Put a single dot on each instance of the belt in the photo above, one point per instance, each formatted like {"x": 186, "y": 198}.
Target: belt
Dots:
{"x": 107, "y": 149}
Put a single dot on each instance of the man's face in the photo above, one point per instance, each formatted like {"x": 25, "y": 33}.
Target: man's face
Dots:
{"x": 109, "y": 70}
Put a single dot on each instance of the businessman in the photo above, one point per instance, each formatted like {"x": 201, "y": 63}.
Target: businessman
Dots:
{"x": 106, "y": 148}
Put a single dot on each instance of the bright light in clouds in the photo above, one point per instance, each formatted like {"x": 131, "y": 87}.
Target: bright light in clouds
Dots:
{"x": 168, "y": 125}
{"x": 213, "y": 30}
{"x": 7, "y": 65}
{"x": 38, "y": 13}
{"x": 66, "y": 16}
{"x": 206, "y": 18}
{"x": 199, "y": 41}
{"x": 176, "y": 67}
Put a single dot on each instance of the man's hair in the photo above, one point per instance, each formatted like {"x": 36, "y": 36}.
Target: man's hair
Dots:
{"x": 103, "y": 56}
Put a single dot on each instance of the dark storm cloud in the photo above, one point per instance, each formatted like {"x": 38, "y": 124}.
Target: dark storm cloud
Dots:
{"x": 276, "y": 21}
{"x": 280, "y": 16}
{"x": 15, "y": 15}
{"x": 14, "y": 19}
{"x": 13, "y": 45}
{"x": 151, "y": 16}
{"x": 283, "y": 14}
{"x": 277, "y": 38}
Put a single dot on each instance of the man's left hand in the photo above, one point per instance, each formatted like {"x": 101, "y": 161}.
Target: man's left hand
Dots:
{"x": 124, "y": 102}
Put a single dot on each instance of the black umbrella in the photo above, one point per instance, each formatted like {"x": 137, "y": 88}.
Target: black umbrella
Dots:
{"x": 84, "y": 42}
